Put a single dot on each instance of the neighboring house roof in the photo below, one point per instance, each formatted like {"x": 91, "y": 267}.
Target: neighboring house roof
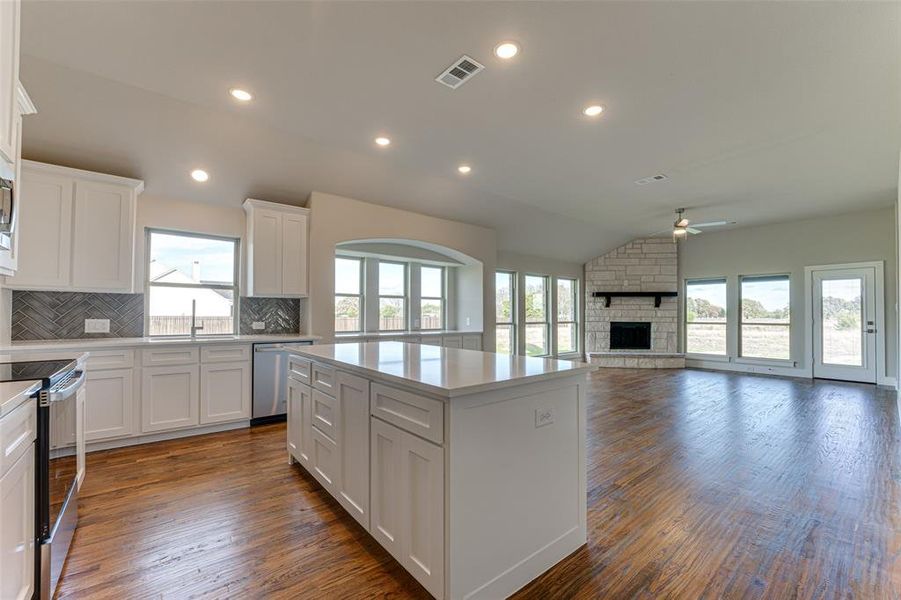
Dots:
{"x": 176, "y": 301}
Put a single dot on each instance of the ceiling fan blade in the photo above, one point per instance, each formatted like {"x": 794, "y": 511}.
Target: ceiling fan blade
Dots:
{"x": 714, "y": 224}
{"x": 693, "y": 231}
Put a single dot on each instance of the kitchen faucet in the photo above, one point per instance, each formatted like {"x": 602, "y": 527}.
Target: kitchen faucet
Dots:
{"x": 194, "y": 327}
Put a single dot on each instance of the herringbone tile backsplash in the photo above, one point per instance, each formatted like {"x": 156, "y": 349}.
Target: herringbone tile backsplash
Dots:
{"x": 61, "y": 315}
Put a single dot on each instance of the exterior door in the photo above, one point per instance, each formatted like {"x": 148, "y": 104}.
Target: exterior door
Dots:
{"x": 844, "y": 324}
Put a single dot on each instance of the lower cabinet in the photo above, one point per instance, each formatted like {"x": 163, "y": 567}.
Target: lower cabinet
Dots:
{"x": 300, "y": 416}
{"x": 17, "y": 528}
{"x": 408, "y": 502}
{"x": 108, "y": 408}
{"x": 353, "y": 438}
{"x": 224, "y": 392}
{"x": 324, "y": 459}
{"x": 81, "y": 420}
{"x": 170, "y": 397}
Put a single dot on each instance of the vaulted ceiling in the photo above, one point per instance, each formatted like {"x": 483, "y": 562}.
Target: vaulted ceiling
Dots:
{"x": 756, "y": 112}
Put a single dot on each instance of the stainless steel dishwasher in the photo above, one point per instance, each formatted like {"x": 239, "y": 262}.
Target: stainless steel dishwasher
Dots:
{"x": 270, "y": 393}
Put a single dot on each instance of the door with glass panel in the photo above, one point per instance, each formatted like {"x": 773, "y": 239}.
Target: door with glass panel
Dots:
{"x": 844, "y": 324}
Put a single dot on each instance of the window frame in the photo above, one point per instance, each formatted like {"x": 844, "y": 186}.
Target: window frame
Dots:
{"x": 549, "y": 350}
{"x": 741, "y": 320}
{"x": 685, "y": 323}
{"x": 361, "y": 297}
{"x": 575, "y": 315}
{"x": 235, "y": 286}
{"x": 513, "y": 324}
{"x": 405, "y": 297}
{"x": 442, "y": 300}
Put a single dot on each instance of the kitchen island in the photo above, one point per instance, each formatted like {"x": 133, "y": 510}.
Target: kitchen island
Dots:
{"x": 467, "y": 466}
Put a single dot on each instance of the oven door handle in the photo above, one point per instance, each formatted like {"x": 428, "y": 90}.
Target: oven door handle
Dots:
{"x": 66, "y": 392}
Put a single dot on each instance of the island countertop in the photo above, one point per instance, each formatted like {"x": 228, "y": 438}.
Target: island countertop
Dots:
{"x": 444, "y": 372}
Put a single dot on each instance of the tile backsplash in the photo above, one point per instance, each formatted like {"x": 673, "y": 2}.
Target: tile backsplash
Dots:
{"x": 61, "y": 315}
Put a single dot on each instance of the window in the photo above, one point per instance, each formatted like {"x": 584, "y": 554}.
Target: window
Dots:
{"x": 765, "y": 317}
{"x": 537, "y": 323}
{"x": 348, "y": 295}
{"x": 190, "y": 275}
{"x": 392, "y": 296}
{"x": 567, "y": 307}
{"x": 705, "y": 317}
{"x": 505, "y": 311}
{"x": 431, "y": 298}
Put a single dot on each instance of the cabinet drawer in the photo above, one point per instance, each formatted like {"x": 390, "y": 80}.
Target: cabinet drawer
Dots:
{"x": 453, "y": 341}
{"x": 99, "y": 360}
{"x": 431, "y": 340}
{"x": 224, "y": 353}
{"x": 17, "y": 432}
{"x": 324, "y": 459}
{"x": 299, "y": 369}
{"x": 418, "y": 415}
{"x": 325, "y": 414}
{"x": 323, "y": 377}
{"x": 179, "y": 355}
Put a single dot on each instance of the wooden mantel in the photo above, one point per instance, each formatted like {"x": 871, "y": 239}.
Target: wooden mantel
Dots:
{"x": 655, "y": 295}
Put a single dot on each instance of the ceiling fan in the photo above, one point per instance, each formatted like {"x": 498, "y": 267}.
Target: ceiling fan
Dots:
{"x": 682, "y": 226}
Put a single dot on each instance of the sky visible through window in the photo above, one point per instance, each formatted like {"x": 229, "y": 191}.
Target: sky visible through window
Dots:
{"x": 347, "y": 276}
{"x": 215, "y": 258}
{"x": 714, "y": 292}
{"x": 773, "y": 295}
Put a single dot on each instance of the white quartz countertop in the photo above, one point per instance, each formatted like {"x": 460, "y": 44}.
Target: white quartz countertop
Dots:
{"x": 445, "y": 372}
{"x": 14, "y": 393}
{"x": 97, "y": 343}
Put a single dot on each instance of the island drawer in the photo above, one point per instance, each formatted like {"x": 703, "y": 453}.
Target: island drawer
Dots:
{"x": 299, "y": 368}
{"x": 99, "y": 360}
{"x": 323, "y": 377}
{"x": 419, "y": 415}
{"x": 18, "y": 430}
{"x": 325, "y": 412}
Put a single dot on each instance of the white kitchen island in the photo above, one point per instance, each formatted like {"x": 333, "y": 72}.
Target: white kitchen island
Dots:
{"x": 467, "y": 466}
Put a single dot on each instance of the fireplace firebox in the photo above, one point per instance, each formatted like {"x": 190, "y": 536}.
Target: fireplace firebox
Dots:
{"x": 627, "y": 335}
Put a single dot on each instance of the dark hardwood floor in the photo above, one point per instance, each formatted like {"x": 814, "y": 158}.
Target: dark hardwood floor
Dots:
{"x": 701, "y": 485}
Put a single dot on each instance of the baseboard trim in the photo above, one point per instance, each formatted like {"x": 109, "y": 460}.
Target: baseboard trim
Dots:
{"x": 163, "y": 436}
{"x": 758, "y": 369}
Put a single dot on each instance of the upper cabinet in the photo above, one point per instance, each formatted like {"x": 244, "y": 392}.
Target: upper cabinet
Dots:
{"x": 276, "y": 243}
{"x": 76, "y": 230}
{"x": 9, "y": 77}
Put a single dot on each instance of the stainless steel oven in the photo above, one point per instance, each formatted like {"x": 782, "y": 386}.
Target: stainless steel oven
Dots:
{"x": 7, "y": 205}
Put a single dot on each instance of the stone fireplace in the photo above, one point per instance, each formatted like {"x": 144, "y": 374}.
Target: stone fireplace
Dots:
{"x": 633, "y": 331}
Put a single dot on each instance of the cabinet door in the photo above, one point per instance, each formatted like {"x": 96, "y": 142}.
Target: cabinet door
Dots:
{"x": 324, "y": 460}
{"x": 9, "y": 76}
{"x": 353, "y": 437}
{"x": 472, "y": 342}
{"x": 299, "y": 421}
{"x": 294, "y": 255}
{"x": 170, "y": 398}
{"x": 103, "y": 237}
{"x": 44, "y": 249}
{"x": 266, "y": 267}
{"x": 385, "y": 507}
{"x": 109, "y": 404}
{"x": 453, "y": 341}
{"x": 17, "y": 529}
{"x": 423, "y": 508}
{"x": 224, "y": 392}
{"x": 80, "y": 450}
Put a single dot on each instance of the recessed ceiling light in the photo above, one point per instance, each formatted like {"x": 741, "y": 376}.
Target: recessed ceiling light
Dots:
{"x": 383, "y": 141}
{"x": 506, "y": 50}
{"x": 199, "y": 175}
{"x": 592, "y": 110}
{"x": 239, "y": 94}
{"x": 464, "y": 169}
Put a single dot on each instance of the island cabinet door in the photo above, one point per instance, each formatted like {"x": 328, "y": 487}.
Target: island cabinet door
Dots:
{"x": 299, "y": 421}
{"x": 353, "y": 437}
{"x": 408, "y": 502}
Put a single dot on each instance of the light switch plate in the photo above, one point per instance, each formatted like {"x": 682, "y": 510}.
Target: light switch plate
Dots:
{"x": 96, "y": 325}
{"x": 544, "y": 416}
{"x": 259, "y": 325}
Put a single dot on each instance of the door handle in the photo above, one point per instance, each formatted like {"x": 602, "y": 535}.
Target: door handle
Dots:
{"x": 871, "y": 330}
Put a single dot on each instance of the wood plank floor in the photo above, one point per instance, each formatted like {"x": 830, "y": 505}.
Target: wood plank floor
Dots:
{"x": 701, "y": 485}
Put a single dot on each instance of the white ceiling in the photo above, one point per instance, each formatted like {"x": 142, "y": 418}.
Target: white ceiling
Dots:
{"x": 757, "y": 112}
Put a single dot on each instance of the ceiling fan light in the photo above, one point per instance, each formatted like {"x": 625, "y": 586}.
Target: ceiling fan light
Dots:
{"x": 679, "y": 233}
{"x": 681, "y": 222}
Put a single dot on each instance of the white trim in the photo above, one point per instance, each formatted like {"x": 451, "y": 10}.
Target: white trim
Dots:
{"x": 761, "y": 369}
{"x": 890, "y": 382}
{"x": 879, "y": 267}
{"x": 166, "y": 435}
{"x": 769, "y": 362}
{"x": 709, "y": 357}
{"x": 26, "y": 106}
{"x": 276, "y": 206}
{"x": 136, "y": 184}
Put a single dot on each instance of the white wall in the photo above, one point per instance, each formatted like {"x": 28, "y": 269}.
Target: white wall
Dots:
{"x": 335, "y": 219}
{"x": 788, "y": 248}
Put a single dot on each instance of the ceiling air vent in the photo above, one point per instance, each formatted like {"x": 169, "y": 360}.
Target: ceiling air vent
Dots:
{"x": 459, "y": 73}
{"x": 652, "y": 179}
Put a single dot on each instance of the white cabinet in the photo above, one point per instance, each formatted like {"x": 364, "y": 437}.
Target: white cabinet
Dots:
{"x": 17, "y": 529}
{"x": 170, "y": 397}
{"x": 352, "y": 483}
{"x": 109, "y": 404}
{"x": 224, "y": 392}
{"x": 75, "y": 231}
{"x": 300, "y": 421}
{"x": 9, "y": 77}
{"x": 472, "y": 341}
{"x": 276, "y": 242}
{"x": 408, "y": 502}
{"x": 80, "y": 431}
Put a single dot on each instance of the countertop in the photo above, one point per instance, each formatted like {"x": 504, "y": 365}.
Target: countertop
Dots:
{"x": 87, "y": 344}
{"x": 426, "y": 332}
{"x": 444, "y": 372}
{"x": 14, "y": 393}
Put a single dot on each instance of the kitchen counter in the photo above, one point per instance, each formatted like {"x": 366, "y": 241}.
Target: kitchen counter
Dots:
{"x": 87, "y": 344}
{"x": 444, "y": 372}
{"x": 389, "y": 334}
{"x": 14, "y": 393}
